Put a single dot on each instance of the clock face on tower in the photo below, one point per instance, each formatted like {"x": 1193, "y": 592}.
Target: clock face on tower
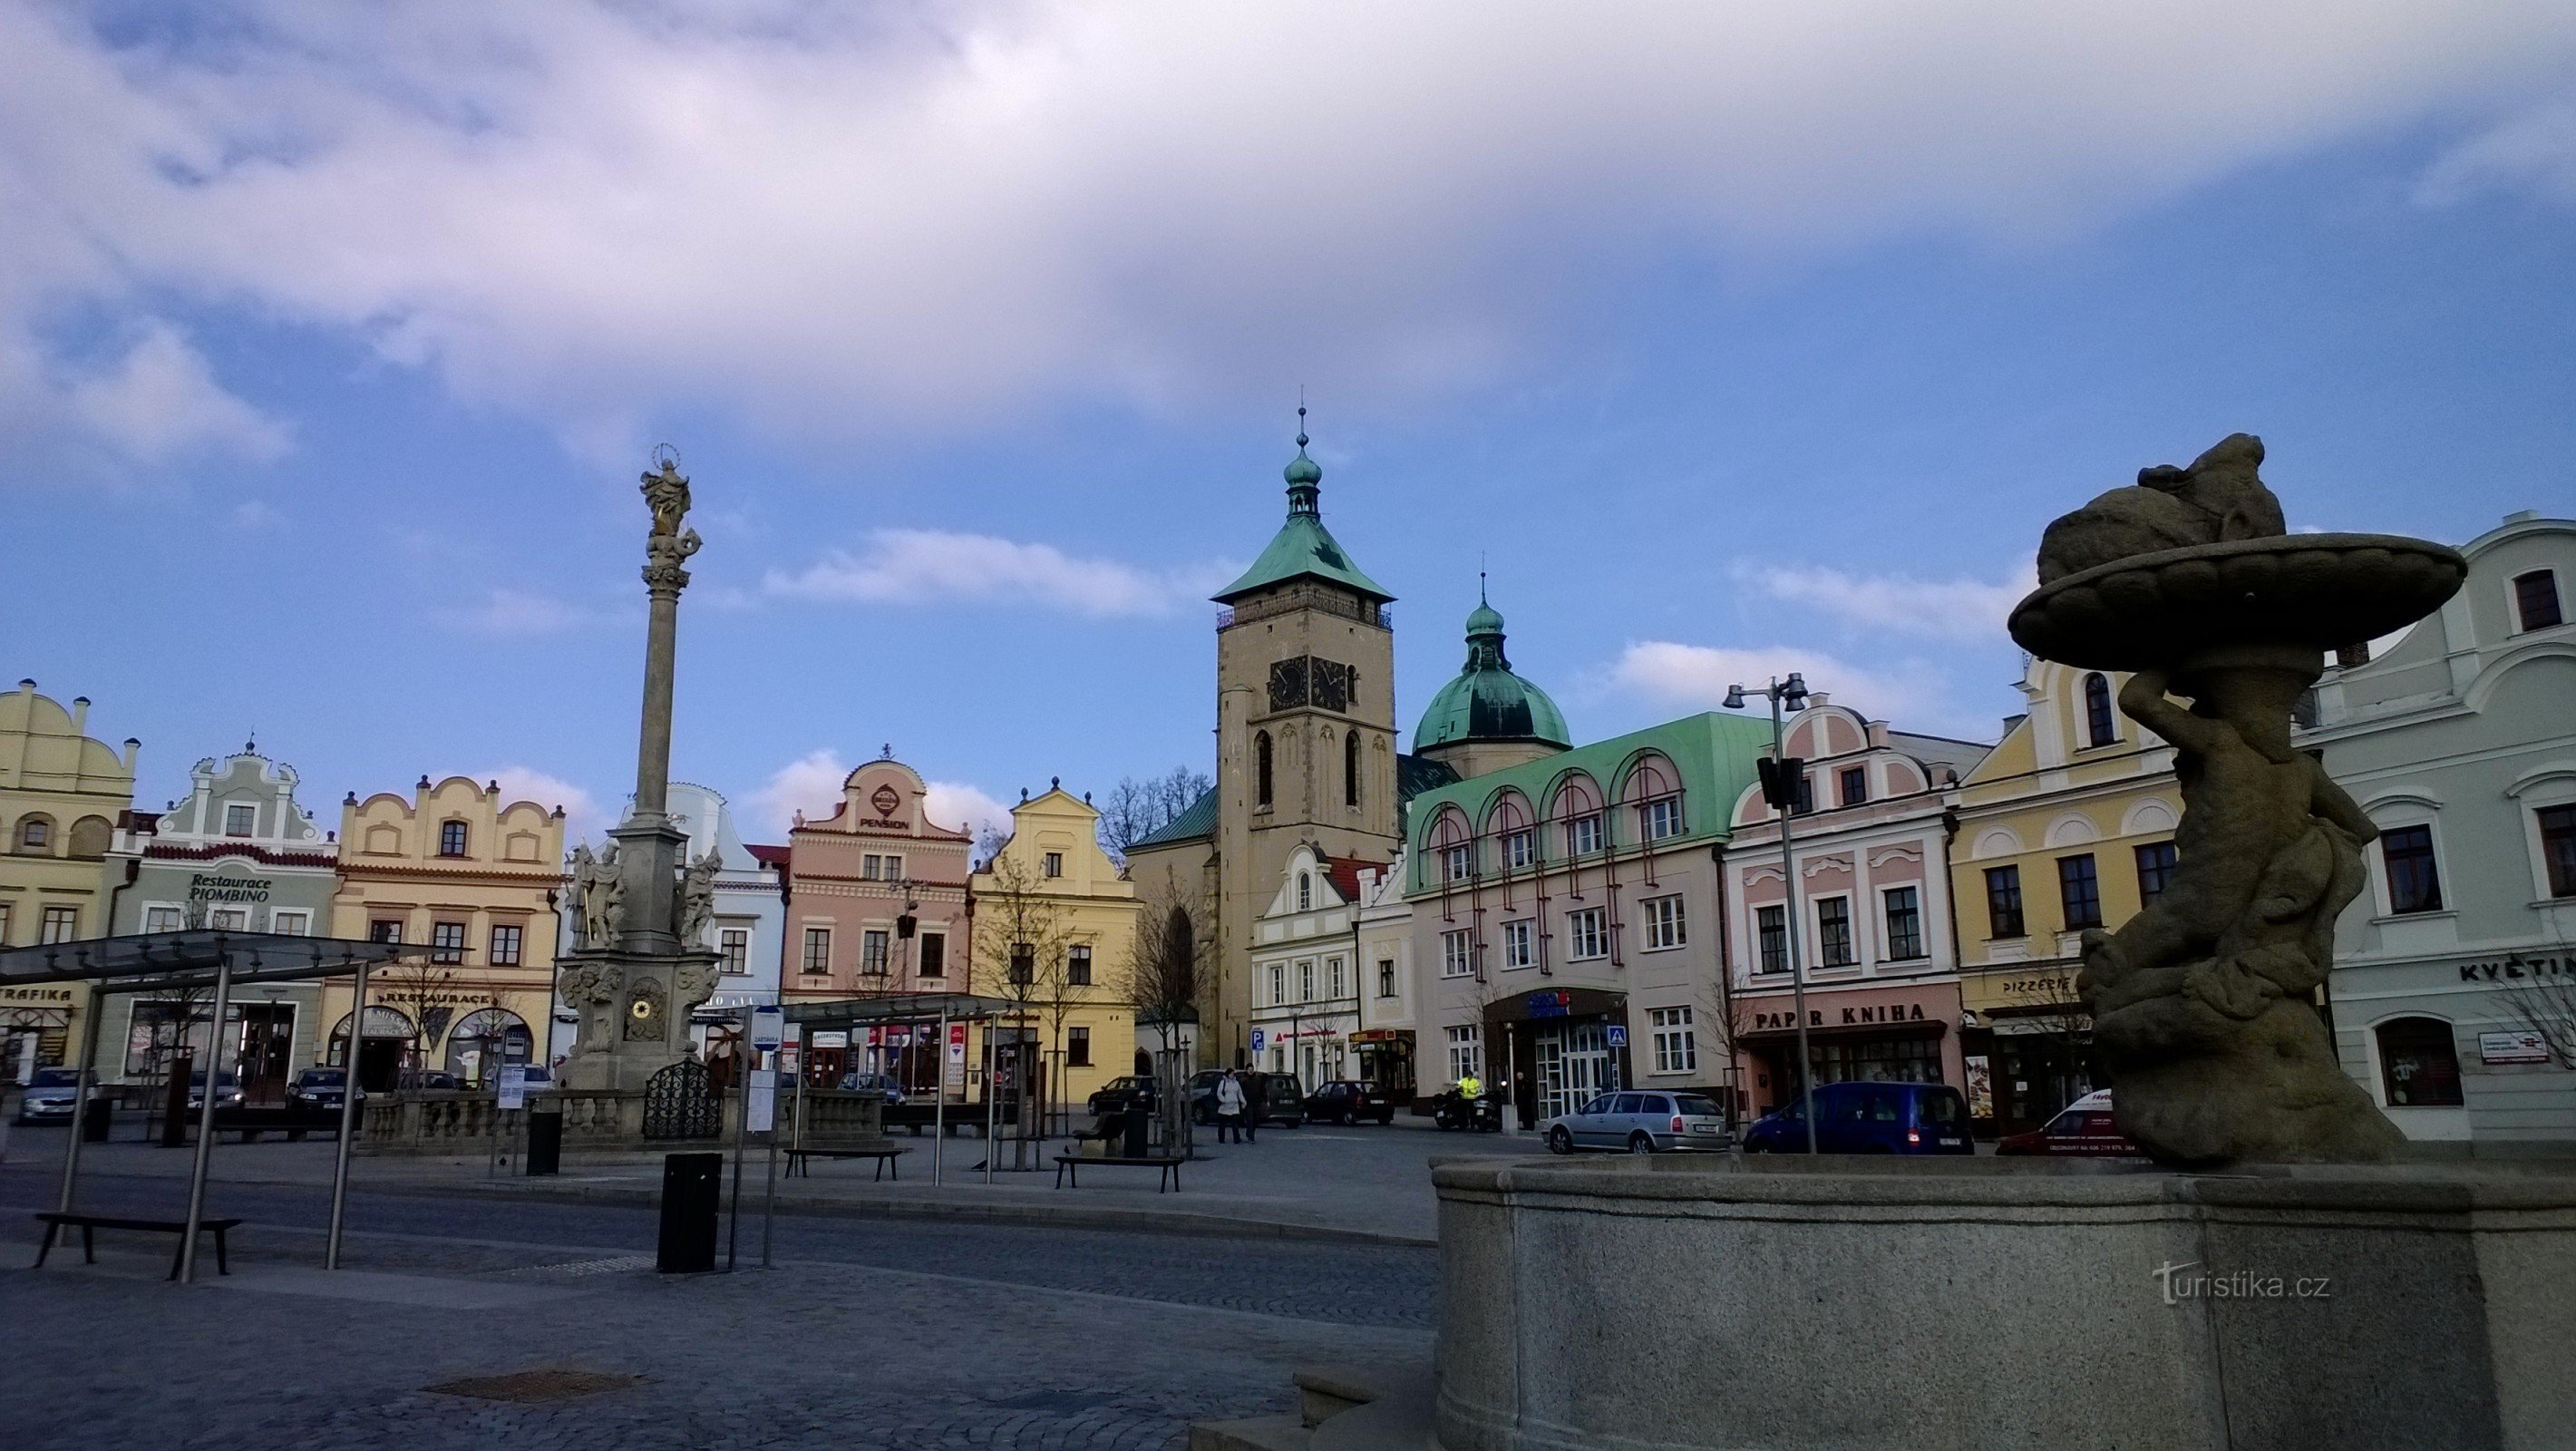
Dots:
{"x": 1288, "y": 683}
{"x": 1332, "y": 682}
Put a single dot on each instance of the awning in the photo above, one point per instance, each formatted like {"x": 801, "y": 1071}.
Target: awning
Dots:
{"x": 1383, "y": 1035}
{"x": 149, "y": 961}
{"x": 902, "y": 1008}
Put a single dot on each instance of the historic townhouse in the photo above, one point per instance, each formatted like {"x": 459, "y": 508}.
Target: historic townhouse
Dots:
{"x": 60, "y": 794}
{"x": 1387, "y": 1042}
{"x": 1868, "y": 888}
{"x": 1306, "y": 969}
{"x": 1057, "y": 933}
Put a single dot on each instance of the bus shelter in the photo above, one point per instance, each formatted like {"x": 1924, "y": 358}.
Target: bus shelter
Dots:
{"x": 202, "y": 959}
{"x": 938, "y": 1013}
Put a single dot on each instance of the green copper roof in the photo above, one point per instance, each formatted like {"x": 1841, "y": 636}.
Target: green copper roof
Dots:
{"x": 1487, "y": 702}
{"x": 1198, "y": 821}
{"x": 1303, "y": 547}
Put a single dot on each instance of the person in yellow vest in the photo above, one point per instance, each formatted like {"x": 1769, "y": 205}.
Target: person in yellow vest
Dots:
{"x": 1471, "y": 1087}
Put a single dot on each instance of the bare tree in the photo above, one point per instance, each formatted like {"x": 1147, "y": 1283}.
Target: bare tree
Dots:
{"x": 427, "y": 993}
{"x": 1137, "y": 808}
{"x": 1724, "y": 1013}
{"x": 1167, "y": 983}
{"x": 1018, "y": 926}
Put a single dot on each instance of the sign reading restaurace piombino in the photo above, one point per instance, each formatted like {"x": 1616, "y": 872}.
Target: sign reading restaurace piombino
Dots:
{"x": 208, "y": 887}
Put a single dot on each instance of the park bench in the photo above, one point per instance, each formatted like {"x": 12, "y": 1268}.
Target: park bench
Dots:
{"x": 89, "y": 1224}
{"x": 295, "y": 1123}
{"x": 800, "y": 1161}
{"x": 1074, "y": 1164}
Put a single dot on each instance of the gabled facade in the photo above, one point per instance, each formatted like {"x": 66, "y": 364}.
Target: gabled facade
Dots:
{"x": 1081, "y": 915}
{"x": 1306, "y": 969}
{"x": 1389, "y": 1035}
{"x": 2453, "y": 996}
{"x": 60, "y": 795}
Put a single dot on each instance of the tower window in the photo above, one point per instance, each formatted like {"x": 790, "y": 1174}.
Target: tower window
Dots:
{"x": 1261, "y": 768}
{"x": 1351, "y": 769}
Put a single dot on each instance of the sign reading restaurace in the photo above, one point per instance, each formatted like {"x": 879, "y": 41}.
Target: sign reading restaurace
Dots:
{"x": 207, "y": 887}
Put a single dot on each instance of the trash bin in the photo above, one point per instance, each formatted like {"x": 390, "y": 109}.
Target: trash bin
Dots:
{"x": 96, "y": 1117}
{"x": 545, "y": 1143}
{"x": 692, "y": 1187}
{"x": 1132, "y": 1141}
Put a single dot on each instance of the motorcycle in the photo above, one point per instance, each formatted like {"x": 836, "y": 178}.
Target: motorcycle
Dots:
{"x": 1454, "y": 1110}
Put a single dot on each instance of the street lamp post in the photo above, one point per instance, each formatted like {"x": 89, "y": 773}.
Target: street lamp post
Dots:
{"x": 1782, "y": 791}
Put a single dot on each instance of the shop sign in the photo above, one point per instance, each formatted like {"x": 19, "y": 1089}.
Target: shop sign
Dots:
{"x": 50, "y": 997}
{"x": 2518, "y": 968}
{"x": 834, "y": 1038}
{"x": 2512, "y": 1046}
{"x": 1981, "y": 1087}
{"x": 207, "y": 887}
{"x": 1550, "y": 1003}
{"x": 1864, "y": 1016}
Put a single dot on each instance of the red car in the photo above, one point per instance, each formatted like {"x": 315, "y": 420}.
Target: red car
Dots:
{"x": 2083, "y": 1129}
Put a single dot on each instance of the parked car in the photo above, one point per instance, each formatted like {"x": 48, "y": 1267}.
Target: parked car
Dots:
{"x": 1347, "y": 1101}
{"x": 228, "y": 1090}
{"x": 1132, "y": 1094}
{"x": 884, "y": 1083}
{"x": 318, "y": 1088}
{"x": 1285, "y": 1102}
{"x": 1869, "y": 1118}
{"x": 1640, "y": 1123}
{"x": 2082, "y": 1129}
{"x": 48, "y": 1098}
{"x": 429, "y": 1080}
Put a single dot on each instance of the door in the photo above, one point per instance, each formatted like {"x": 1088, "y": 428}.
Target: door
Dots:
{"x": 1585, "y": 1127}
{"x": 1586, "y": 1067}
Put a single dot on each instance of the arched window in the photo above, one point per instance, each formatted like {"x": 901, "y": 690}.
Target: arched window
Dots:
{"x": 1351, "y": 769}
{"x": 1305, "y": 891}
{"x": 2099, "y": 723}
{"x": 36, "y": 834}
{"x": 2419, "y": 1063}
{"x": 1261, "y": 768}
{"x": 90, "y": 836}
{"x": 451, "y": 838}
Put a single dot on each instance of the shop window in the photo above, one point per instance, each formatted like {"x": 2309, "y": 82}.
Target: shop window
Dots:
{"x": 2156, "y": 862}
{"x": 818, "y": 950}
{"x": 2419, "y": 1063}
{"x": 2535, "y": 598}
{"x": 1904, "y": 923}
{"x": 506, "y": 944}
{"x": 1854, "y": 785}
{"x": 2558, "y": 848}
{"x": 1077, "y": 1047}
{"x": 2079, "y": 891}
{"x": 2003, "y": 902}
{"x": 1456, "y": 957}
{"x": 1771, "y": 929}
{"x": 1587, "y": 933}
{"x": 2414, "y": 881}
{"x": 2101, "y": 727}
{"x": 1663, "y": 922}
{"x": 240, "y": 819}
{"x": 1077, "y": 965}
{"x": 447, "y": 942}
{"x": 451, "y": 838}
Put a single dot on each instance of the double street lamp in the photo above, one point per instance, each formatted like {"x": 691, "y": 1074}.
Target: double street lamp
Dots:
{"x": 1783, "y": 777}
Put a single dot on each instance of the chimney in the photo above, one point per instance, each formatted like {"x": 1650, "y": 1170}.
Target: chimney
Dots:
{"x": 80, "y": 714}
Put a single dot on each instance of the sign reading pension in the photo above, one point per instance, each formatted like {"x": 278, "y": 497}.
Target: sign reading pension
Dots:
{"x": 209, "y": 887}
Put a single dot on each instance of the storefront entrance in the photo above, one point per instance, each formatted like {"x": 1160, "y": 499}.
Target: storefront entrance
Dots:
{"x": 1574, "y": 1063}
{"x": 1552, "y": 1046}
{"x": 262, "y": 1035}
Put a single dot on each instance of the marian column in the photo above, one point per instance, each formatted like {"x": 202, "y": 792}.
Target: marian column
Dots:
{"x": 639, "y": 970}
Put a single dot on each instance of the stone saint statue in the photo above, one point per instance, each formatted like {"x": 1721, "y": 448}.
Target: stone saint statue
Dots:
{"x": 603, "y": 898}
{"x": 2204, "y": 1004}
{"x": 592, "y": 991}
{"x": 666, "y": 493}
{"x": 696, "y": 906}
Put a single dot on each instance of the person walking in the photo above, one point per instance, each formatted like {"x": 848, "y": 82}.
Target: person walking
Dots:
{"x": 1229, "y": 1109}
{"x": 1256, "y": 1104}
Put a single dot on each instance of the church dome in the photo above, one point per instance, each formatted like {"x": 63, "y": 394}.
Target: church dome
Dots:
{"x": 1487, "y": 702}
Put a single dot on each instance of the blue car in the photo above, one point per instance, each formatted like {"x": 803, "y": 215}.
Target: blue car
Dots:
{"x": 1869, "y": 1118}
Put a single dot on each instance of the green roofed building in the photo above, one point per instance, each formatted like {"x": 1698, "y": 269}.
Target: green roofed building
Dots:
{"x": 1488, "y": 718}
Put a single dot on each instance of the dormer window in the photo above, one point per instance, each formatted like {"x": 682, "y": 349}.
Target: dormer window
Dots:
{"x": 1305, "y": 892}
{"x": 1055, "y": 864}
{"x": 240, "y": 819}
{"x": 451, "y": 838}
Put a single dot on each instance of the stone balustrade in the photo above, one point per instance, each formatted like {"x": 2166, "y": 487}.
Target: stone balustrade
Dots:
{"x": 463, "y": 1122}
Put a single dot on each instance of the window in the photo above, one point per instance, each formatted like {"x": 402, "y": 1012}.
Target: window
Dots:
{"x": 1676, "y": 1046}
{"x": 1024, "y": 965}
{"x": 59, "y": 924}
{"x": 240, "y": 819}
{"x": 384, "y": 929}
{"x": 231, "y": 919}
{"x": 1583, "y": 834}
{"x": 1457, "y": 862}
{"x": 2079, "y": 891}
{"x": 2535, "y": 598}
{"x": 2419, "y": 1063}
{"x": 451, "y": 838}
{"x": 167, "y": 919}
{"x": 933, "y": 953}
{"x": 291, "y": 924}
{"x": 5, "y": 922}
{"x": 818, "y": 949}
{"x": 1854, "y": 785}
{"x": 874, "y": 944}
{"x": 1278, "y": 983}
{"x": 1077, "y": 1047}
{"x": 1587, "y": 933}
{"x": 1261, "y": 768}
{"x": 2100, "y": 726}
{"x": 1663, "y": 817}
{"x": 872, "y": 868}
{"x": 1055, "y": 864}
{"x": 2558, "y": 848}
{"x": 1351, "y": 769}
{"x": 35, "y": 834}
{"x": 1466, "y": 1054}
{"x": 1077, "y": 965}
{"x": 2003, "y": 902}
{"x": 1305, "y": 891}
{"x": 1834, "y": 932}
{"x": 894, "y": 867}
{"x": 1333, "y": 973}
{"x": 2156, "y": 862}
{"x": 447, "y": 942}
{"x": 1771, "y": 932}
{"x": 1386, "y": 977}
{"x": 505, "y": 945}
{"x": 2414, "y": 885}
{"x": 733, "y": 947}
{"x": 1306, "y": 981}
{"x": 1904, "y": 923}
{"x": 1806, "y": 801}
{"x": 1456, "y": 960}
{"x": 1520, "y": 849}
{"x": 1519, "y": 944}
{"x": 1663, "y": 922}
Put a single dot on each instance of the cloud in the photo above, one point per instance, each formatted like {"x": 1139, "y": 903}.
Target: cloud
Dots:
{"x": 2534, "y": 151}
{"x": 160, "y": 400}
{"x": 830, "y": 219}
{"x": 582, "y": 814}
{"x": 1958, "y": 609}
{"x": 961, "y": 807}
{"x": 1696, "y": 677}
{"x": 508, "y": 611}
{"x": 921, "y": 566}
{"x": 811, "y": 784}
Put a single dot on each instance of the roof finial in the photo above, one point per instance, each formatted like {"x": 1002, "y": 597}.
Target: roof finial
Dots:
{"x": 1301, "y": 415}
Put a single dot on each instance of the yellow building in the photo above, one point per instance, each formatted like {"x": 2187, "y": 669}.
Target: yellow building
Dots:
{"x": 477, "y": 879}
{"x": 2067, "y": 824}
{"x": 60, "y": 794}
{"x": 1053, "y": 900}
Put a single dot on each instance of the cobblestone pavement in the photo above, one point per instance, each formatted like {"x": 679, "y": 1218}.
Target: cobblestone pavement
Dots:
{"x": 869, "y": 1334}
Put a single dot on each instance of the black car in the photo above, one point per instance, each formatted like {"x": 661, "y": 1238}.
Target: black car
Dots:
{"x": 1132, "y": 1094}
{"x": 1347, "y": 1101}
{"x": 1284, "y": 1101}
{"x": 318, "y": 1088}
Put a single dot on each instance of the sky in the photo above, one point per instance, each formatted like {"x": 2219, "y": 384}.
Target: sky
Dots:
{"x": 1725, "y": 340}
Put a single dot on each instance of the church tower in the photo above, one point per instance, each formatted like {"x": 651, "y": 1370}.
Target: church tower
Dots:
{"x": 1305, "y": 664}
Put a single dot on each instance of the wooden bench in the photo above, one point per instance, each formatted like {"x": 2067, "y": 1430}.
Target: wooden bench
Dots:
{"x": 1074, "y": 1164}
{"x": 295, "y": 1123}
{"x": 800, "y": 1161}
{"x": 89, "y": 1224}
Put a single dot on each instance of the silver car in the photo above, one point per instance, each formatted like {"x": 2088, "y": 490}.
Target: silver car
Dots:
{"x": 1641, "y": 1122}
{"x": 48, "y": 1099}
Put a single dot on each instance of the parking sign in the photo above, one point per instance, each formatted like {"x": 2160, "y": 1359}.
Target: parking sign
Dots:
{"x": 1259, "y": 1040}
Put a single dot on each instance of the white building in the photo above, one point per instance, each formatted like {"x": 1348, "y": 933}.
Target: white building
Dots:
{"x": 2454, "y": 987}
{"x": 1305, "y": 969}
{"x": 1386, "y": 1043}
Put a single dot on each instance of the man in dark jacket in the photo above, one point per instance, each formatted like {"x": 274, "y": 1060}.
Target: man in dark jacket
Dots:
{"x": 1256, "y": 1104}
